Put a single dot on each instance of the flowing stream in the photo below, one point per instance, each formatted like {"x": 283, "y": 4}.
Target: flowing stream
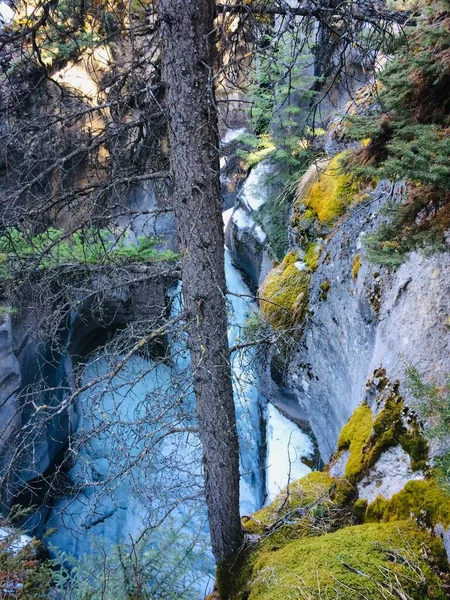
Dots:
{"x": 140, "y": 459}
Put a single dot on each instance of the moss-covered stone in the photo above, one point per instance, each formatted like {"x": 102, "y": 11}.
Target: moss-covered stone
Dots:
{"x": 329, "y": 196}
{"x": 349, "y": 564}
{"x": 367, "y": 438}
{"x": 354, "y": 437}
{"x": 425, "y": 501}
{"x": 285, "y": 294}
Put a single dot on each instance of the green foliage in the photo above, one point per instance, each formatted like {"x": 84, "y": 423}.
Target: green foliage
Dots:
{"x": 277, "y": 119}
{"x": 273, "y": 216}
{"x": 73, "y": 27}
{"x": 8, "y": 310}
{"x": 25, "y": 573}
{"x": 409, "y": 140}
{"x": 279, "y": 131}
{"x": 151, "y": 569}
{"x": 433, "y": 403}
{"x": 54, "y": 248}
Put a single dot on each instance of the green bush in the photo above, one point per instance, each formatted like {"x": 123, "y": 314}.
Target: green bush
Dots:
{"x": 54, "y": 248}
{"x": 25, "y": 573}
{"x": 433, "y": 403}
{"x": 408, "y": 139}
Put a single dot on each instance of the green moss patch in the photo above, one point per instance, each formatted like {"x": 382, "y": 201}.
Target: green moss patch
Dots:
{"x": 328, "y": 197}
{"x": 423, "y": 500}
{"x": 285, "y": 294}
{"x": 367, "y": 438}
{"x": 354, "y": 437}
{"x": 356, "y": 265}
{"x": 354, "y": 562}
{"x": 312, "y": 255}
{"x": 325, "y": 287}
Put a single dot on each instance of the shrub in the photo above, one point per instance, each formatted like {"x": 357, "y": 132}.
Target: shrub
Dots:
{"x": 409, "y": 140}
{"x": 25, "y": 573}
{"x": 53, "y": 248}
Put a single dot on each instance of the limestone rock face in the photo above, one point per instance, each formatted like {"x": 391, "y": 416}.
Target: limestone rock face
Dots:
{"x": 388, "y": 476}
{"x": 374, "y": 318}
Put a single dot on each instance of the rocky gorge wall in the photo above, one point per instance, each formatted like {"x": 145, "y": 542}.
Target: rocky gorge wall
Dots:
{"x": 38, "y": 370}
{"x": 360, "y": 316}
{"x": 368, "y": 319}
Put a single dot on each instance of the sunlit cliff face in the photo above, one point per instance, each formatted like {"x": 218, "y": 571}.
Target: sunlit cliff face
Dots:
{"x": 84, "y": 76}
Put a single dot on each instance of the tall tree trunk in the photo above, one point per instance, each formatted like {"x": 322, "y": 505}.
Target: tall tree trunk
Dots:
{"x": 188, "y": 45}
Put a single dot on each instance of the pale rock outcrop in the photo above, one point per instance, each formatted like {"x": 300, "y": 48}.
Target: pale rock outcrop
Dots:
{"x": 388, "y": 476}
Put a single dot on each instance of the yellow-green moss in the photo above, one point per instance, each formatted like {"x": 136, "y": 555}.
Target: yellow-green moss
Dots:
{"x": 354, "y": 437}
{"x": 312, "y": 256}
{"x": 325, "y": 287}
{"x": 302, "y": 492}
{"x": 332, "y": 193}
{"x": 424, "y": 500}
{"x": 333, "y": 563}
{"x": 367, "y": 438}
{"x": 356, "y": 265}
{"x": 285, "y": 294}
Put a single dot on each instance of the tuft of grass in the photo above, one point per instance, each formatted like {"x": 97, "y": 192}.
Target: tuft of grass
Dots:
{"x": 356, "y": 265}
{"x": 330, "y": 195}
{"x": 285, "y": 294}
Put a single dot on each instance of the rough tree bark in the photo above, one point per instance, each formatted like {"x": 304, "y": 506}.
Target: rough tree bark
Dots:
{"x": 188, "y": 45}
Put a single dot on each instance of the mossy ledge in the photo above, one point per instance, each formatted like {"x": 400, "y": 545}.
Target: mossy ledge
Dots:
{"x": 319, "y": 538}
{"x": 327, "y": 197}
{"x": 307, "y": 541}
{"x": 350, "y": 561}
{"x": 426, "y": 501}
{"x": 366, "y": 437}
{"x": 285, "y": 294}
